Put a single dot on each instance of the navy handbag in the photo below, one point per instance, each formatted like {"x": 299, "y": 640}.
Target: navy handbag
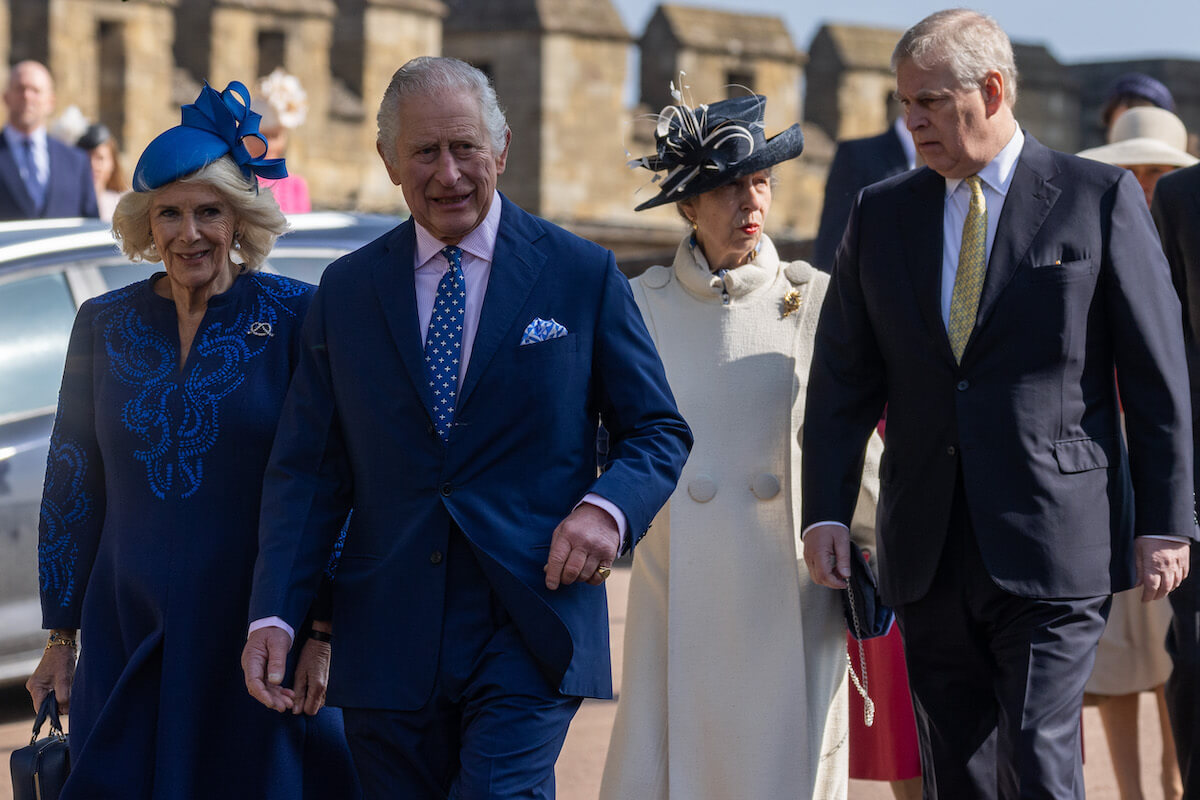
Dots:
{"x": 40, "y": 769}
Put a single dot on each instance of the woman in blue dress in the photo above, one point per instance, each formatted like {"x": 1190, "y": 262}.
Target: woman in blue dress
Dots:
{"x": 148, "y": 536}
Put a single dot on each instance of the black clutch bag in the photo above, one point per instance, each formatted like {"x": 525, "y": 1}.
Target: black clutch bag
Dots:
{"x": 40, "y": 769}
{"x": 866, "y": 615}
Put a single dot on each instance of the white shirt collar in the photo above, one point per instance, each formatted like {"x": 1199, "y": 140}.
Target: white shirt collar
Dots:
{"x": 997, "y": 175}
{"x": 480, "y": 242}
{"x": 15, "y": 137}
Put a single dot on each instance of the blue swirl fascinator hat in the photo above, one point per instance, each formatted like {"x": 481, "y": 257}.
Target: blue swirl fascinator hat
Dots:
{"x": 211, "y": 127}
{"x": 705, "y": 147}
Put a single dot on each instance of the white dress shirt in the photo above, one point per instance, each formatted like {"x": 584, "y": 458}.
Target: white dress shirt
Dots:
{"x": 41, "y": 157}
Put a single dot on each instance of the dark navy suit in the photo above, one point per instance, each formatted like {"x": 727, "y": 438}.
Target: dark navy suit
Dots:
{"x": 1177, "y": 214}
{"x": 856, "y": 163}
{"x": 69, "y": 188}
{"x": 1008, "y": 501}
{"x": 436, "y": 524}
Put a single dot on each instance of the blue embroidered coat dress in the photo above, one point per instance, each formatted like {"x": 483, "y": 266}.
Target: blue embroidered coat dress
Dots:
{"x": 148, "y": 539}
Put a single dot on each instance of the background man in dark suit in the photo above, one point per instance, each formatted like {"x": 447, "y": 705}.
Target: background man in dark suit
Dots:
{"x": 39, "y": 175}
{"x": 1177, "y": 214}
{"x": 858, "y": 163}
{"x": 449, "y": 390}
{"x": 988, "y": 300}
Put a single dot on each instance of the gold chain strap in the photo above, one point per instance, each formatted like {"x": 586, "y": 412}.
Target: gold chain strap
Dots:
{"x": 864, "y": 685}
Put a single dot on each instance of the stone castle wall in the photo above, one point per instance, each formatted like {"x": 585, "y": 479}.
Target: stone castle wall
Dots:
{"x": 560, "y": 68}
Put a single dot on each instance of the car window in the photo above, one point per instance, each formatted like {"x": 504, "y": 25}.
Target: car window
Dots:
{"x": 126, "y": 272}
{"x": 35, "y": 325}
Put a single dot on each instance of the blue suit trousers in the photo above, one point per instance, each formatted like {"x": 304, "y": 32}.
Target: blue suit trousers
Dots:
{"x": 494, "y": 726}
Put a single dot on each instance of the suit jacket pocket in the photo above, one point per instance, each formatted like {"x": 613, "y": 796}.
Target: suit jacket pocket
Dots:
{"x": 1081, "y": 455}
{"x": 550, "y": 348}
{"x": 1061, "y": 271}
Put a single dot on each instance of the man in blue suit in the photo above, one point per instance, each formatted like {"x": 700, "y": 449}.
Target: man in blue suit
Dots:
{"x": 39, "y": 175}
{"x": 858, "y": 163}
{"x": 449, "y": 390}
{"x": 989, "y": 300}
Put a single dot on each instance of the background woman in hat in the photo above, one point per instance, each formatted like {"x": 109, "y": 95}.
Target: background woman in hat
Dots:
{"x": 1132, "y": 657}
{"x": 149, "y": 521}
{"x": 283, "y": 104}
{"x": 107, "y": 174}
{"x": 735, "y": 668}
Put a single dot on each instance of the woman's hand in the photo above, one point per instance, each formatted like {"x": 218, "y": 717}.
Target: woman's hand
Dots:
{"x": 55, "y": 672}
{"x": 312, "y": 674}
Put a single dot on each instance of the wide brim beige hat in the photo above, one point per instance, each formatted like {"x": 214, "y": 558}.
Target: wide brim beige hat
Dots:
{"x": 1145, "y": 135}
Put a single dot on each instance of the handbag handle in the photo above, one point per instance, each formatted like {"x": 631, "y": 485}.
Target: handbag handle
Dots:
{"x": 48, "y": 710}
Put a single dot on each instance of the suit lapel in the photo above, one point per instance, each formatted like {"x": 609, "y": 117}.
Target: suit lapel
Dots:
{"x": 1030, "y": 198}
{"x": 921, "y": 222}
{"x": 10, "y": 176}
{"x": 516, "y": 265}
{"x": 396, "y": 286}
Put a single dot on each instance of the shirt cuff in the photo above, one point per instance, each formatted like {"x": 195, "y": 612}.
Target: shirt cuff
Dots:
{"x": 272, "y": 622}
{"x": 1166, "y": 538}
{"x": 804, "y": 532}
{"x": 591, "y": 498}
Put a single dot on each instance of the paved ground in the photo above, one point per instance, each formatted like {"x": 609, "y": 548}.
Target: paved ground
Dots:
{"x": 582, "y": 760}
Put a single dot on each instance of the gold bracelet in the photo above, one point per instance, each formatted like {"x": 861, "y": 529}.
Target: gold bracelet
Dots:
{"x": 57, "y": 639}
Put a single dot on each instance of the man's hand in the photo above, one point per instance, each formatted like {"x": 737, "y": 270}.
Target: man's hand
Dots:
{"x": 1161, "y": 565}
{"x": 312, "y": 677}
{"x": 827, "y": 554}
{"x": 586, "y": 539}
{"x": 263, "y": 662}
{"x": 56, "y": 671}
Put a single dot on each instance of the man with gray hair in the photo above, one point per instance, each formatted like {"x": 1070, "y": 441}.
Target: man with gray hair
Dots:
{"x": 987, "y": 300}
{"x": 449, "y": 390}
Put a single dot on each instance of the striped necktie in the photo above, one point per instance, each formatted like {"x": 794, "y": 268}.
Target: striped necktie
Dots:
{"x": 972, "y": 264}
{"x": 443, "y": 341}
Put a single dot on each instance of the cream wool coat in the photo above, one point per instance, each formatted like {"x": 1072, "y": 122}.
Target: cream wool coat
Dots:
{"x": 734, "y": 675}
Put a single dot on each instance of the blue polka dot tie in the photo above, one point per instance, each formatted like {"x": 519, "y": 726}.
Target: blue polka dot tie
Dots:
{"x": 443, "y": 341}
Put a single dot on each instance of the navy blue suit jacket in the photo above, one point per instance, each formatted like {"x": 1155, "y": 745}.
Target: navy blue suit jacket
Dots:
{"x": 1076, "y": 287}
{"x": 856, "y": 163}
{"x": 69, "y": 188}
{"x": 356, "y": 431}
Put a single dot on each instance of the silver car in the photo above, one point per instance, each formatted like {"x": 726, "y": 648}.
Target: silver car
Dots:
{"x": 47, "y": 269}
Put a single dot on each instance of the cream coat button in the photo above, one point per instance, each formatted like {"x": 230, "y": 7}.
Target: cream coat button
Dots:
{"x": 657, "y": 276}
{"x": 765, "y": 486}
{"x": 702, "y": 488}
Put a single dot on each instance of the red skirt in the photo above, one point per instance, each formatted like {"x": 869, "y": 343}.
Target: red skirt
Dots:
{"x": 887, "y": 751}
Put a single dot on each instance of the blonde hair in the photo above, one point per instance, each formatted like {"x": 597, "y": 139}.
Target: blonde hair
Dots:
{"x": 259, "y": 220}
{"x": 970, "y": 44}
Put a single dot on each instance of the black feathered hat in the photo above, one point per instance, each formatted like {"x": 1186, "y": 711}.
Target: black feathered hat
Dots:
{"x": 708, "y": 146}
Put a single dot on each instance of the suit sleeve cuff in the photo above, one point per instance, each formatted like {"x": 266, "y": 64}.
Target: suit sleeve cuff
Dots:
{"x": 804, "y": 532}
{"x": 617, "y": 514}
{"x": 272, "y": 622}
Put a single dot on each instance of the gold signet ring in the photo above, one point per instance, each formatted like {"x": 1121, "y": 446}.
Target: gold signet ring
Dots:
{"x": 603, "y": 572}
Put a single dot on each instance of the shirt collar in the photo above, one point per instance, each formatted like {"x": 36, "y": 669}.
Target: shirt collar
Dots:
{"x": 480, "y": 242}
{"x": 15, "y": 137}
{"x": 998, "y": 173}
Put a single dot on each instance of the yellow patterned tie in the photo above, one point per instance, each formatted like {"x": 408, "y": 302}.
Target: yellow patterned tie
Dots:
{"x": 972, "y": 264}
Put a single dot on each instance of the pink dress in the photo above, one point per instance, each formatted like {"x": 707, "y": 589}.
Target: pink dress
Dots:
{"x": 291, "y": 193}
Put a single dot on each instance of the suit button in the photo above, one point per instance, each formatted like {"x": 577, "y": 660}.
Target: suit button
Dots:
{"x": 435, "y": 557}
{"x": 951, "y": 450}
{"x": 447, "y": 490}
{"x": 765, "y": 486}
{"x": 702, "y": 488}
{"x": 963, "y": 386}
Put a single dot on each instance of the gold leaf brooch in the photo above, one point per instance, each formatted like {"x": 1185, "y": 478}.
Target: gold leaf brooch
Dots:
{"x": 791, "y": 303}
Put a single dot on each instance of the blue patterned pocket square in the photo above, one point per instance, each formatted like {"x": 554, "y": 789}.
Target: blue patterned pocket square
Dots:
{"x": 541, "y": 330}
